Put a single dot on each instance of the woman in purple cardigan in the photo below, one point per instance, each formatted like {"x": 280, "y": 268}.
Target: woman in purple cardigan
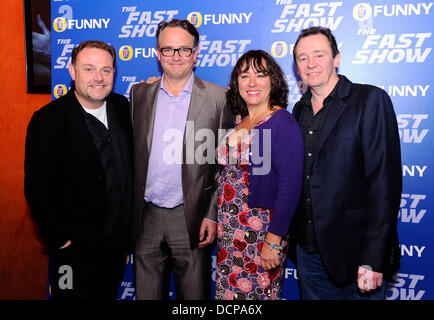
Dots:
{"x": 260, "y": 182}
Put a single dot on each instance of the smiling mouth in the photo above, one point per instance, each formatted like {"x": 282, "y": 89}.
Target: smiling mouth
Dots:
{"x": 253, "y": 92}
{"x": 98, "y": 86}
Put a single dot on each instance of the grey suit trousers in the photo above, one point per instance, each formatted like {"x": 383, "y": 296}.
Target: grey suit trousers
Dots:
{"x": 163, "y": 245}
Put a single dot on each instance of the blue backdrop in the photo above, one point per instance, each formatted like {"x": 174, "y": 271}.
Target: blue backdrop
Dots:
{"x": 382, "y": 43}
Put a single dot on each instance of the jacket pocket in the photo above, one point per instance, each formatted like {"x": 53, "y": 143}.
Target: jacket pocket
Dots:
{"x": 358, "y": 216}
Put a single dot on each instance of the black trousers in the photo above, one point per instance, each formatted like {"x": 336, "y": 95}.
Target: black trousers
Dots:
{"x": 76, "y": 274}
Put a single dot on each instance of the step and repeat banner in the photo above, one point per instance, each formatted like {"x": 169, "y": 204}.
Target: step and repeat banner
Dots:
{"x": 384, "y": 43}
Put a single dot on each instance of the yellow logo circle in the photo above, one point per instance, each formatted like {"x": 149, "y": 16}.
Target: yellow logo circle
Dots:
{"x": 362, "y": 11}
{"x": 125, "y": 53}
{"x": 195, "y": 19}
{"x": 279, "y": 49}
{"x": 59, "y": 90}
{"x": 60, "y": 24}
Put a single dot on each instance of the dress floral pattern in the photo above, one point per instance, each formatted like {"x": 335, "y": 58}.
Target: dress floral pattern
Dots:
{"x": 241, "y": 232}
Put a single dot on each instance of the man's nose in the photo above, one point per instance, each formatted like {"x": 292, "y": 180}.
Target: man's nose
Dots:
{"x": 98, "y": 76}
{"x": 311, "y": 62}
{"x": 177, "y": 55}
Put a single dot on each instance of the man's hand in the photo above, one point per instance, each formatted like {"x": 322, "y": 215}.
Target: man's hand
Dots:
{"x": 368, "y": 280}
{"x": 151, "y": 80}
{"x": 207, "y": 233}
{"x": 66, "y": 245}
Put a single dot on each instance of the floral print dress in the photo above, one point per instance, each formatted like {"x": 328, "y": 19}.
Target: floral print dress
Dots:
{"x": 241, "y": 232}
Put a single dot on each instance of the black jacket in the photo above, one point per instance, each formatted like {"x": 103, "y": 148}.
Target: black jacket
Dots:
{"x": 356, "y": 182}
{"x": 65, "y": 180}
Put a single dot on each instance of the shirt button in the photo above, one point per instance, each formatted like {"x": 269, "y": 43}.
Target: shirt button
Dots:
{"x": 308, "y": 199}
{"x": 307, "y": 177}
{"x": 310, "y": 132}
{"x": 309, "y": 154}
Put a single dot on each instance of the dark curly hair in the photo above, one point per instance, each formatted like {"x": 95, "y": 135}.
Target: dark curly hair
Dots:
{"x": 261, "y": 61}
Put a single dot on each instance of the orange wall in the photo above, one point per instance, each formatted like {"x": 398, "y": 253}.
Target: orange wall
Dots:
{"x": 23, "y": 265}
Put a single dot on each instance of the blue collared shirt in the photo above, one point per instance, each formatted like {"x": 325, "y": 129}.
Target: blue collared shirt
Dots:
{"x": 164, "y": 180}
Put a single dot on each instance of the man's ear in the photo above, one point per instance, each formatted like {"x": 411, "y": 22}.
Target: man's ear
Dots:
{"x": 158, "y": 54}
{"x": 196, "y": 53}
{"x": 337, "y": 60}
{"x": 71, "y": 69}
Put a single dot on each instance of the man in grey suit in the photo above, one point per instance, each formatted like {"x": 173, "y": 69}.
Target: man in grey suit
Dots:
{"x": 175, "y": 203}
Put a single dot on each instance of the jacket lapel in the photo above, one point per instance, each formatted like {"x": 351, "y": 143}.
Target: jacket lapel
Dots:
{"x": 335, "y": 111}
{"x": 78, "y": 123}
{"x": 196, "y": 103}
{"x": 150, "y": 113}
{"x": 144, "y": 113}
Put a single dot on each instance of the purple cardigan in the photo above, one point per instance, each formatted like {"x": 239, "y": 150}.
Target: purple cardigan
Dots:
{"x": 280, "y": 188}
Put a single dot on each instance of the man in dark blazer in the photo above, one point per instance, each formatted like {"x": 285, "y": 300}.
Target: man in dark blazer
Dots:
{"x": 175, "y": 199}
{"x": 78, "y": 178}
{"x": 346, "y": 224}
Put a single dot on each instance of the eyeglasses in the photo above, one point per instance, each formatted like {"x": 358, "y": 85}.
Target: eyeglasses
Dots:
{"x": 183, "y": 52}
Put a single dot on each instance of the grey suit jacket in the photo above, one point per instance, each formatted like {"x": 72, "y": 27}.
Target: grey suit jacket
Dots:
{"x": 207, "y": 110}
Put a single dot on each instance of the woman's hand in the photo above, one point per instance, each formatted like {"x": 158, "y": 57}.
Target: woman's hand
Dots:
{"x": 270, "y": 258}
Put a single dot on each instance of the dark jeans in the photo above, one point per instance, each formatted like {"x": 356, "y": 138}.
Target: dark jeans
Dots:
{"x": 315, "y": 284}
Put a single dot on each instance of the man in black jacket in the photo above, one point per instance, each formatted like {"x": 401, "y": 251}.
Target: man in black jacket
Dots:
{"x": 78, "y": 178}
{"x": 346, "y": 224}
